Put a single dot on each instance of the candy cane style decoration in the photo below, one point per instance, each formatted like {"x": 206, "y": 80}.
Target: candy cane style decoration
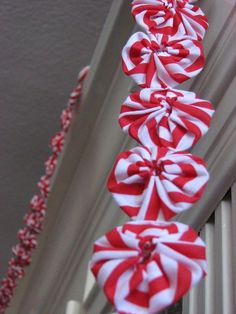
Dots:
{"x": 150, "y": 263}
{"x": 160, "y": 61}
{"x": 33, "y": 220}
{"x": 165, "y": 118}
{"x": 176, "y": 18}
{"x": 158, "y": 183}
{"x": 145, "y": 266}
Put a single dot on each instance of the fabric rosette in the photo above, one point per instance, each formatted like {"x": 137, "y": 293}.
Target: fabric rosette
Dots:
{"x": 34, "y": 220}
{"x": 15, "y": 271}
{"x": 165, "y": 117}
{"x": 27, "y": 238}
{"x": 57, "y": 142}
{"x": 176, "y": 18}
{"x": 50, "y": 165}
{"x": 145, "y": 266}
{"x": 44, "y": 186}
{"x": 83, "y": 74}
{"x": 157, "y": 183}
{"x": 37, "y": 203}
{"x": 66, "y": 117}
{"x": 74, "y": 96}
{"x": 8, "y": 286}
{"x": 159, "y": 61}
{"x": 22, "y": 255}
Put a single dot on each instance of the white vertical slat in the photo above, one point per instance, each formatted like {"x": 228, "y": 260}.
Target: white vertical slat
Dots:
{"x": 210, "y": 278}
{"x": 193, "y": 301}
{"x": 201, "y": 287}
{"x": 227, "y": 271}
{"x": 90, "y": 282}
{"x": 218, "y": 262}
{"x": 233, "y": 195}
{"x": 185, "y": 306}
{"x": 73, "y": 307}
{"x": 224, "y": 267}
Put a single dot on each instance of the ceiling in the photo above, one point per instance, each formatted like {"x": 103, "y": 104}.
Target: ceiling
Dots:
{"x": 43, "y": 46}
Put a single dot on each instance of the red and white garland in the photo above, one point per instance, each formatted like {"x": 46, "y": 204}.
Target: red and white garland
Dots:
{"x": 150, "y": 263}
{"x": 33, "y": 220}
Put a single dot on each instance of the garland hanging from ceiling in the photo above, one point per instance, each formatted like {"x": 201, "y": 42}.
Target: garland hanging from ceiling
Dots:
{"x": 148, "y": 264}
{"x": 33, "y": 220}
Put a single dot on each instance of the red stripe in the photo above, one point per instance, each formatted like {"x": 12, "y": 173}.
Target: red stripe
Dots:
{"x": 111, "y": 283}
{"x": 115, "y": 239}
{"x": 159, "y": 284}
{"x": 183, "y": 281}
{"x": 190, "y": 250}
{"x": 138, "y": 298}
{"x": 154, "y": 207}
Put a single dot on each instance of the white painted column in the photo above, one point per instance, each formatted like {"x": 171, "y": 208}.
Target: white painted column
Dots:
{"x": 73, "y": 307}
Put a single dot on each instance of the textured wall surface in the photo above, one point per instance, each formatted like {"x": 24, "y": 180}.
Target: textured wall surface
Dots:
{"x": 43, "y": 45}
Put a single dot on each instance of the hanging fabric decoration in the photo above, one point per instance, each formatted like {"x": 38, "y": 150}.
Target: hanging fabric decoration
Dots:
{"x": 176, "y": 18}
{"x": 33, "y": 220}
{"x": 144, "y": 266}
{"x": 157, "y": 183}
{"x": 150, "y": 263}
{"x": 160, "y": 61}
{"x": 165, "y": 118}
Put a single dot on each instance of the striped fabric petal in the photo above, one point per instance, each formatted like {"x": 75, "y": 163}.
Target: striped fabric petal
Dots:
{"x": 157, "y": 183}
{"x": 176, "y": 18}
{"x": 145, "y": 266}
{"x": 165, "y": 117}
{"x": 159, "y": 61}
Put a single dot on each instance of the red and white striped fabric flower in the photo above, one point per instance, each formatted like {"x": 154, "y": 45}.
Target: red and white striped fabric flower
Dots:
{"x": 74, "y": 96}
{"x": 23, "y": 256}
{"x": 176, "y": 18}
{"x": 165, "y": 117}
{"x": 27, "y": 238}
{"x": 157, "y": 183}
{"x": 83, "y": 74}
{"x": 5, "y": 299}
{"x": 38, "y": 203}
{"x": 15, "y": 271}
{"x": 50, "y": 165}
{"x": 8, "y": 286}
{"x": 57, "y": 142}
{"x": 145, "y": 266}
{"x": 66, "y": 118}
{"x": 159, "y": 61}
{"x": 8, "y": 283}
{"x": 44, "y": 186}
{"x": 34, "y": 220}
